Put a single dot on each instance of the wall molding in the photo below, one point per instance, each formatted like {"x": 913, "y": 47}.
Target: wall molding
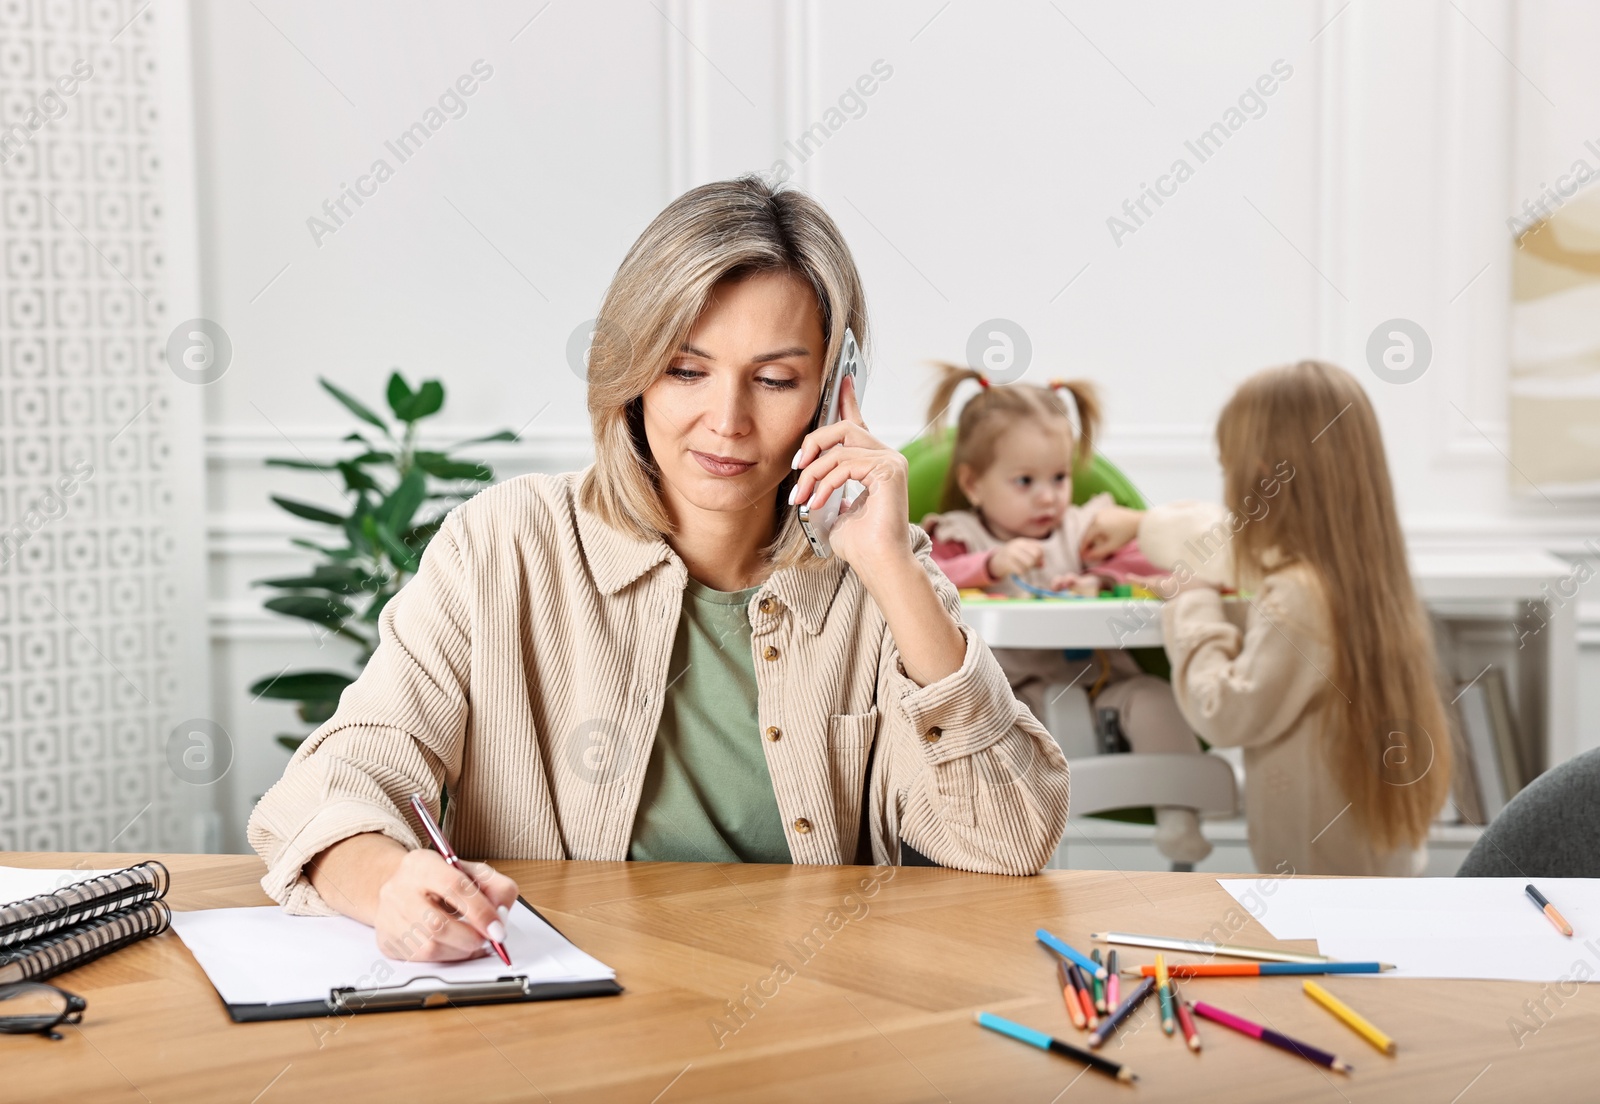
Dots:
{"x": 235, "y": 444}
{"x": 246, "y": 444}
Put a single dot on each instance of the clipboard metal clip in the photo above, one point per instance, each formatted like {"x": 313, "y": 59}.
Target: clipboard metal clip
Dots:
{"x": 411, "y": 995}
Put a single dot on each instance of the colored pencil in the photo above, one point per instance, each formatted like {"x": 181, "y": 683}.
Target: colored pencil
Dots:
{"x": 1550, "y": 910}
{"x": 1090, "y": 966}
{"x": 1100, "y": 983}
{"x": 1100, "y": 1034}
{"x": 1066, "y": 1050}
{"x": 1267, "y": 1035}
{"x": 1113, "y": 981}
{"x": 1356, "y": 1021}
{"x": 1205, "y": 946}
{"x": 1261, "y": 969}
{"x": 1069, "y": 995}
{"x": 1164, "y": 989}
{"x": 1086, "y": 996}
{"x": 1186, "y": 1021}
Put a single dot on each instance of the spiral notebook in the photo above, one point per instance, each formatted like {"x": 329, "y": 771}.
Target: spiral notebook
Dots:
{"x": 44, "y": 934}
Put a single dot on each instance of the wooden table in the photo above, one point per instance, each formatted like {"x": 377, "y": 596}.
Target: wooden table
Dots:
{"x": 882, "y": 1011}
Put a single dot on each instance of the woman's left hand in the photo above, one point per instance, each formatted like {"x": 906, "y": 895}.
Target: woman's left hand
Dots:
{"x": 873, "y": 532}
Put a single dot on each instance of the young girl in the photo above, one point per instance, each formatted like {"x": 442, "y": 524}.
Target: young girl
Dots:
{"x": 1324, "y": 670}
{"x": 1007, "y": 509}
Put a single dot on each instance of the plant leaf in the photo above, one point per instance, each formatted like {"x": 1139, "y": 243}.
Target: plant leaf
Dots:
{"x": 397, "y": 510}
{"x": 309, "y": 512}
{"x": 400, "y": 396}
{"x": 355, "y": 479}
{"x": 426, "y": 402}
{"x": 330, "y": 612}
{"x": 332, "y": 577}
{"x": 302, "y": 465}
{"x": 440, "y": 466}
{"x": 303, "y": 686}
{"x": 503, "y": 435}
{"x": 402, "y": 555}
{"x": 332, "y": 553}
{"x": 355, "y": 406}
{"x": 290, "y": 741}
{"x": 315, "y": 712}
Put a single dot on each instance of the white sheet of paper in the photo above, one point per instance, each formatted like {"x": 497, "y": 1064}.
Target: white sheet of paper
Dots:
{"x": 1435, "y": 927}
{"x": 19, "y": 883}
{"x": 267, "y": 956}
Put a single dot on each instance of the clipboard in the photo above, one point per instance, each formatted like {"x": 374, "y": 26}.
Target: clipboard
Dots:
{"x": 421, "y": 991}
{"x": 411, "y": 997}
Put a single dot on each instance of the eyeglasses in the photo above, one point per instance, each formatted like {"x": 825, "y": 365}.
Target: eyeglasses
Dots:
{"x": 33, "y": 1008}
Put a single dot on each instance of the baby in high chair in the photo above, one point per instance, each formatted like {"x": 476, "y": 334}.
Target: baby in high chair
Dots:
{"x": 1006, "y": 510}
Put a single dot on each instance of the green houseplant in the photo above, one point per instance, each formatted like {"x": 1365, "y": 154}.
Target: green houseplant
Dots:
{"x": 398, "y": 495}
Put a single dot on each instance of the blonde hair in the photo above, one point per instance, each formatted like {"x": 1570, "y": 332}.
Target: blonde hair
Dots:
{"x": 716, "y": 232}
{"x": 998, "y": 408}
{"x": 1338, "y": 517}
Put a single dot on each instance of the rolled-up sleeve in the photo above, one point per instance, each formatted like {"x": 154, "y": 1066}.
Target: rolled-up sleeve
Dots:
{"x": 1191, "y": 537}
{"x": 979, "y": 783}
{"x": 398, "y": 730}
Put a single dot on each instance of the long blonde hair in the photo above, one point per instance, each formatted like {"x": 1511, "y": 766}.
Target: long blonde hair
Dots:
{"x": 1385, "y": 736}
{"x": 721, "y": 231}
{"x": 997, "y": 409}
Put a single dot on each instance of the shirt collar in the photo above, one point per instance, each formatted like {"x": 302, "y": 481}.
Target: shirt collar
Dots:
{"x": 617, "y": 559}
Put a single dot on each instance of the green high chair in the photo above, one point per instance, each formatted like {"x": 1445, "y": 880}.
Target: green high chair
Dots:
{"x": 1111, "y": 787}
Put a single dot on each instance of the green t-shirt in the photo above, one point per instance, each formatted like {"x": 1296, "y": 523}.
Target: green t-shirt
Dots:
{"x": 707, "y": 794}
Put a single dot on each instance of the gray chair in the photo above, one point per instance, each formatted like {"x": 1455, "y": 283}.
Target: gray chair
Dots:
{"x": 1549, "y": 830}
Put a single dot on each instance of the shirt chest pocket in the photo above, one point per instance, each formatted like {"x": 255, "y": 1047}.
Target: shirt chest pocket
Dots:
{"x": 850, "y": 737}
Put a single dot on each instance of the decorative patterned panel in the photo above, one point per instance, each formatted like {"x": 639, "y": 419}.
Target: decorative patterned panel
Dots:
{"x": 87, "y": 685}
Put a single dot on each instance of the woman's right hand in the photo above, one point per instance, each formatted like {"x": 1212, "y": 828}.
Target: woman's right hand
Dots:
{"x": 419, "y": 906}
{"x": 1016, "y": 556}
{"x": 428, "y": 910}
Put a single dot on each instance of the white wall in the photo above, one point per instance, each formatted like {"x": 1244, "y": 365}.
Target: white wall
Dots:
{"x": 976, "y": 183}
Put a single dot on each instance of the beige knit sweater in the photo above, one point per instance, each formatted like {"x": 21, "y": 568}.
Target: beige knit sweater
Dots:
{"x": 1253, "y": 673}
{"x": 524, "y": 668}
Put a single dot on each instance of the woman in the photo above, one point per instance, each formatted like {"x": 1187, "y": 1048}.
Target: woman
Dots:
{"x": 644, "y": 659}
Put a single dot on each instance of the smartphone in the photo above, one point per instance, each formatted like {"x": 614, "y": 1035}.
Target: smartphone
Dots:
{"x": 816, "y": 524}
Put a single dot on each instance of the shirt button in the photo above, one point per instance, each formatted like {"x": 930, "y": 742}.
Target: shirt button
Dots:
{"x": 773, "y": 734}
{"x": 770, "y": 653}
{"x": 769, "y": 605}
{"x": 933, "y": 734}
{"x": 802, "y": 826}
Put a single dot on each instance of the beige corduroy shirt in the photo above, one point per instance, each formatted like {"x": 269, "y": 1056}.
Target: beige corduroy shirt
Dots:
{"x": 524, "y": 669}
